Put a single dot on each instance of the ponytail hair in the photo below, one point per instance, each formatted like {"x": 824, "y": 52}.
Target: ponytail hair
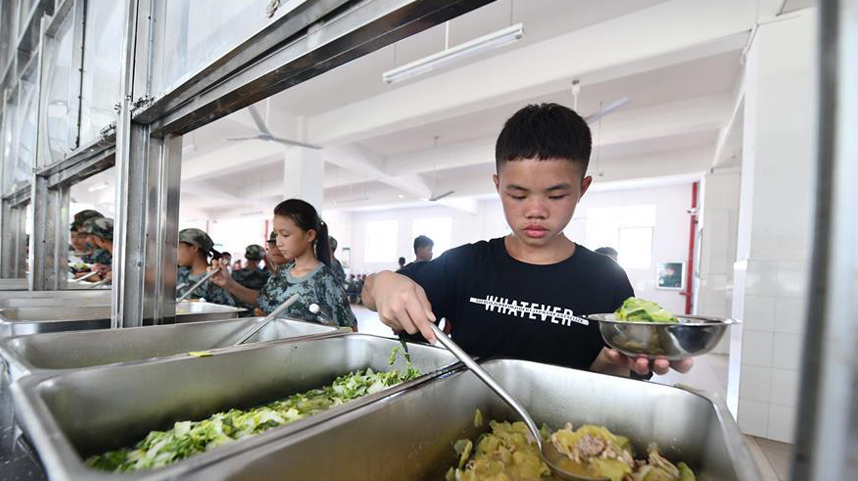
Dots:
{"x": 306, "y": 218}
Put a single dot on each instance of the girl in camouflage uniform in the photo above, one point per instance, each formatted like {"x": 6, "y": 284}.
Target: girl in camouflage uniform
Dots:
{"x": 302, "y": 237}
{"x": 195, "y": 247}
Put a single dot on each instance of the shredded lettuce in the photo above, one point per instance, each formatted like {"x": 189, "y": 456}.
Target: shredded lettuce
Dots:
{"x": 188, "y": 438}
{"x": 641, "y": 310}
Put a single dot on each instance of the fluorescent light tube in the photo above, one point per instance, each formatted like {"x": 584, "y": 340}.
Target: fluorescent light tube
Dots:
{"x": 454, "y": 54}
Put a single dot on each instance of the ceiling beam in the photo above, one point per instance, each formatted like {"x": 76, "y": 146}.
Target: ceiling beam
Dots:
{"x": 674, "y": 31}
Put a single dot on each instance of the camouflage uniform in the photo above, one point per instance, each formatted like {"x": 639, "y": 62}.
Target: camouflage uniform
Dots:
{"x": 339, "y": 272}
{"x": 99, "y": 227}
{"x": 209, "y": 291}
{"x": 318, "y": 287}
{"x": 251, "y": 278}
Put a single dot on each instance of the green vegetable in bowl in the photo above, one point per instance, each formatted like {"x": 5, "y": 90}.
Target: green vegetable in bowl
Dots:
{"x": 642, "y": 310}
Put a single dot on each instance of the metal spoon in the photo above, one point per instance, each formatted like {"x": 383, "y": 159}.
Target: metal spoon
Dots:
{"x": 544, "y": 448}
{"x": 271, "y": 317}
{"x": 198, "y": 284}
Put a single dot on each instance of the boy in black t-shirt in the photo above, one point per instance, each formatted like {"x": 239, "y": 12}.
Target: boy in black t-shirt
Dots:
{"x": 522, "y": 296}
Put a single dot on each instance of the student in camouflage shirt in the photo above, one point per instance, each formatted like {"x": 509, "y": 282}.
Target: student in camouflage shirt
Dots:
{"x": 302, "y": 237}
{"x": 100, "y": 232}
{"x": 337, "y": 266}
{"x": 195, "y": 247}
{"x": 252, "y": 276}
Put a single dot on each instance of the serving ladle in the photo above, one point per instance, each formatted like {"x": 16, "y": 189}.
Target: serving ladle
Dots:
{"x": 545, "y": 448}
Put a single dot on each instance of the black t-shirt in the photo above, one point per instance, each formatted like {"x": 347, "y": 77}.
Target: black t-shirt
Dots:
{"x": 501, "y": 307}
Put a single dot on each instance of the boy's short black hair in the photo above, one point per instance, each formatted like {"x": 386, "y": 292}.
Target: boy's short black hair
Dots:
{"x": 607, "y": 251}
{"x": 544, "y": 132}
{"x": 422, "y": 241}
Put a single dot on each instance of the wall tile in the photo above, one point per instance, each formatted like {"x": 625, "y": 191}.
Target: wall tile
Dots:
{"x": 784, "y": 387}
{"x": 753, "y": 417}
{"x": 762, "y": 278}
{"x": 790, "y": 315}
{"x": 759, "y": 313}
{"x": 756, "y": 383}
{"x": 781, "y": 423}
{"x": 786, "y": 351}
{"x": 792, "y": 278}
{"x": 757, "y": 348}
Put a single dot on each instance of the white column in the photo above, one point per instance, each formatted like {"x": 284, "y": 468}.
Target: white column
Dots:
{"x": 719, "y": 221}
{"x": 776, "y": 202}
{"x": 304, "y": 175}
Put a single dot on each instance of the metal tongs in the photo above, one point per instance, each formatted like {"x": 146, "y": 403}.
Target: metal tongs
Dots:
{"x": 198, "y": 284}
{"x": 545, "y": 449}
{"x": 83, "y": 278}
{"x": 269, "y": 318}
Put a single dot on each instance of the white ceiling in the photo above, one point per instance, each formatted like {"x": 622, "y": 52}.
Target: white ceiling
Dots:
{"x": 681, "y": 97}
{"x": 361, "y": 79}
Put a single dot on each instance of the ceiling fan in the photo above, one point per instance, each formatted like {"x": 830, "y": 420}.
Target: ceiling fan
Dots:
{"x": 437, "y": 197}
{"x": 265, "y": 134}
{"x": 596, "y": 116}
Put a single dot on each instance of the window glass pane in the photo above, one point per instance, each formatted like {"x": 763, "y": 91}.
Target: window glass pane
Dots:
{"x": 57, "y": 75}
{"x": 10, "y": 120}
{"x": 7, "y": 25}
{"x": 628, "y": 229}
{"x": 102, "y": 66}
{"x": 192, "y": 34}
{"x": 20, "y": 154}
{"x": 381, "y": 241}
{"x": 439, "y": 229}
{"x": 635, "y": 247}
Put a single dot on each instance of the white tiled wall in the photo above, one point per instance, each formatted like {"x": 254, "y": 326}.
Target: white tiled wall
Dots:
{"x": 772, "y": 268}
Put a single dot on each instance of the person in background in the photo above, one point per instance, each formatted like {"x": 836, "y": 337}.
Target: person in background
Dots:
{"x": 608, "y": 252}
{"x": 302, "y": 236}
{"x": 253, "y": 276}
{"x": 274, "y": 259}
{"x": 236, "y": 266}
{"x": 81, "y": 250}
{"x": 336, "y": 266}
{"x": 100, "y": 235}
{"x": 195, "y": 248}
{"x": 401, "y": 262}
{"x": 422, "y": 250}
{"x": 227, "y": 257}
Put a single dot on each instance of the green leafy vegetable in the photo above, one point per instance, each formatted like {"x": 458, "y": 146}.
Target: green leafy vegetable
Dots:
{"x": 188, "y": 438}
{"x": 641, "y": 310}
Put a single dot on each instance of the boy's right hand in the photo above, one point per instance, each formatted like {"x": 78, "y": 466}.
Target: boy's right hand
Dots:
{"x": 402, "y": 304}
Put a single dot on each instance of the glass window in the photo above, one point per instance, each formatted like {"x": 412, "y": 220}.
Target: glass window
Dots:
{"x": 7, "y": 26}
{"x": 635, "y": 247}
{"x": 380, "y": 241}
{"x": 628, "y": 229}
{"x": 20, "y": 136}
{"x": 439, "y": 229}
{"x": 192, "y": 34}
{"x": 102, "y": 66}
{"x": 56, "y": 95}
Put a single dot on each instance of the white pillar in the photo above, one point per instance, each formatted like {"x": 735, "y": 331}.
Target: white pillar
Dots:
{"x": 776, "y": 202}
{"x": 719, "y": 221}
{"x": 304, "y": 175}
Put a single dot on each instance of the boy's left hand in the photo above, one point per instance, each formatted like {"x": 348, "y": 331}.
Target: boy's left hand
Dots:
{"x": 644, "y": 366}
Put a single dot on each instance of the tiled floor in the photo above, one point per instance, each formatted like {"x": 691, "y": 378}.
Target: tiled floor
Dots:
{"x": 709, "y": 373}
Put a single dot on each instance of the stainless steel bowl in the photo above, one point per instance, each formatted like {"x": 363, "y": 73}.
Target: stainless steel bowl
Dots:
{"x": 691, "y": 336}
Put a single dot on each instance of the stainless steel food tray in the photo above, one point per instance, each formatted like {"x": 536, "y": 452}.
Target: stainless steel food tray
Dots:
{"x": 17, "y": 321}
{"x": 13, "y": 285}
{"x": 70, "y": 416}
{"x": 410, "y": 436}
{"x": 79, "y": 349}
{"x": 102, "y": 295}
